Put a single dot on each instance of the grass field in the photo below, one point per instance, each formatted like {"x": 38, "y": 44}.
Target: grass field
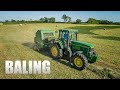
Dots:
{"x": 16, "y": 43}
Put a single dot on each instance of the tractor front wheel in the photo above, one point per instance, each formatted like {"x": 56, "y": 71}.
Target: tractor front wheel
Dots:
{"x": 55, "y": 51}
{"x": 79, "y": 61}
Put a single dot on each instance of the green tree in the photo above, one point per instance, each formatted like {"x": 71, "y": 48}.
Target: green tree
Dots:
{"x": 92, "y": 21}
{"x": 12, "y": 20}
{"x": 52, "y": 20}
{"x": 64, "y": 17}
{"x": 45, "y": 19}
{"x": 105, "y": 22}
{"x": 22, "y": 21}
{"x": 78, "y": 21}
{"x": 18, "y": 21}
{"x": 69, "y": 19}
{"x": 42, "y": 20}
{"x": 6, "y": 20}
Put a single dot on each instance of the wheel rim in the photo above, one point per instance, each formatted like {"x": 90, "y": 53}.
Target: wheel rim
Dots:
{"x": 78, "y": 62}
{"x": 54, "y": 51}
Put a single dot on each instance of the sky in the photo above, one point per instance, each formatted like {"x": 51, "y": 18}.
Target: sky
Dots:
{"x": 83, "y": 15}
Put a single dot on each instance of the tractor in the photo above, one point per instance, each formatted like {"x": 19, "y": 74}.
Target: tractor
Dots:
{"x": 67, "y": 45}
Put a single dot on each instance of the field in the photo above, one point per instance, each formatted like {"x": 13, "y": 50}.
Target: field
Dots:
{"x": 16, "y": 43}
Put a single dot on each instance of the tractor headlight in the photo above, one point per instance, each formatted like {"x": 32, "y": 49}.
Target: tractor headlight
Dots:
{"x": 92, "y": 52}
{"x": 93, "y": 55}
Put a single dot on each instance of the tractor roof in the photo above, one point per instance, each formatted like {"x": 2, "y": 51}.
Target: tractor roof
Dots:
{"x": 71, "y": 30}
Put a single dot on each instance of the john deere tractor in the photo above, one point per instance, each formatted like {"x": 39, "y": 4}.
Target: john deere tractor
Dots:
{"x": 67, "y": 45}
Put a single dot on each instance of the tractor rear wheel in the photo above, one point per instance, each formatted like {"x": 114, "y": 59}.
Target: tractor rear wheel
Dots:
{"x": 55, "y": 51}
{"x": 79, "y": 61}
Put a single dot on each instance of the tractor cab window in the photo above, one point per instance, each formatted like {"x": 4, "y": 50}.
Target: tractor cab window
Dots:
{"x": 66, "y": 36}
{"x": 73, "y": 35}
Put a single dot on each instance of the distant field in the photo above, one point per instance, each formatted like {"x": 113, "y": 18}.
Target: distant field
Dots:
{"x": 16, "y": 43}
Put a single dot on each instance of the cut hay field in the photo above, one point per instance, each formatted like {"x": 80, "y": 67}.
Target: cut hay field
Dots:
{"x": 16, "y": 43}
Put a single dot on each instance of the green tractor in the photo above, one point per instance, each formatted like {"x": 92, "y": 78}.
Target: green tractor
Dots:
{"x": 67, "y": 45}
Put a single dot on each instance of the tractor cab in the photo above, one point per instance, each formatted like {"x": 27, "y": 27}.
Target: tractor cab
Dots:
{"x": 74, "y": 35}
{"x": 68, "y": 34}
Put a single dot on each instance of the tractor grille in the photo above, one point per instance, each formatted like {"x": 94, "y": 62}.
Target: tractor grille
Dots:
{"x": 92, "y": 50}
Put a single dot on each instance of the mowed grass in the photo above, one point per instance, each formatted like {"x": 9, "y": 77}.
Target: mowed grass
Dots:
{"x": 16, "y": 43}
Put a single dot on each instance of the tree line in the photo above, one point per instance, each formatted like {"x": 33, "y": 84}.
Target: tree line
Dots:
{"x": 67, "y": 19}
{"x": 41, "y": 20}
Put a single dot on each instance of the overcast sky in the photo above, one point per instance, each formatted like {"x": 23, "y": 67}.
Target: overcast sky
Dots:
{"x": 83, "y": 15}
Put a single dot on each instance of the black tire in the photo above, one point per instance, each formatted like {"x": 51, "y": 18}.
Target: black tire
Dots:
{"x": 60, "y": 52}
{"x": 90, "y": 62}
{"x": 83, "y": 61}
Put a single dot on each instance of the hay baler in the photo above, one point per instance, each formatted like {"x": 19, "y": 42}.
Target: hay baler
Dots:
{"x": 43, "y": 38}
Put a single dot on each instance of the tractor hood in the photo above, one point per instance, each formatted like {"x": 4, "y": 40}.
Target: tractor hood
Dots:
{"x": 83, "y": 44}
